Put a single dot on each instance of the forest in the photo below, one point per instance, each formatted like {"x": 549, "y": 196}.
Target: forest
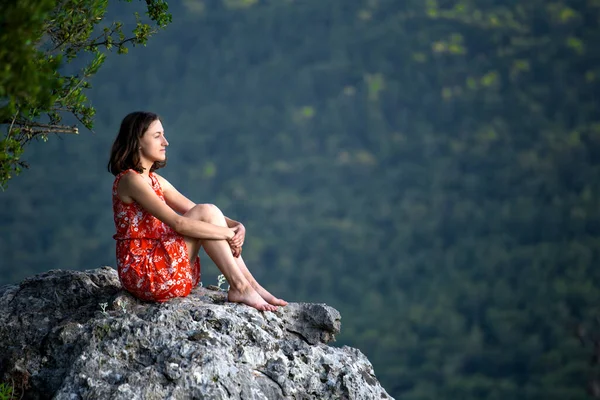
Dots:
{"x": 430, "y": 168}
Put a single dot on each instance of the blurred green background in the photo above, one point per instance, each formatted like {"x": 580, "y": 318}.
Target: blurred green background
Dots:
{"x": 429, "y": 168}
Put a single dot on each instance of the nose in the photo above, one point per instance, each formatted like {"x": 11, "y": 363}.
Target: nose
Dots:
{"x": 165, "y": 142}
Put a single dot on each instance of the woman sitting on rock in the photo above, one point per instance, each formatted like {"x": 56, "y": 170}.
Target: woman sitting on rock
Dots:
{"x": 160, "y": 231}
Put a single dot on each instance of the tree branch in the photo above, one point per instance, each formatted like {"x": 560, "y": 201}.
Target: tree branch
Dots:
{"x": 46, "y": 128}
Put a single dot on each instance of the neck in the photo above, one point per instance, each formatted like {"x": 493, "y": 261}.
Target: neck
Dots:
{"x": 146, "y": 165}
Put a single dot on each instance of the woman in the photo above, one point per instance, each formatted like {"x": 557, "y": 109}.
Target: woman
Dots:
{"x": 160, "y": 231}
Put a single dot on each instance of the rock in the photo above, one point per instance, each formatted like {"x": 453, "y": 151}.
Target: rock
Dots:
{"x": 78, "y": 335}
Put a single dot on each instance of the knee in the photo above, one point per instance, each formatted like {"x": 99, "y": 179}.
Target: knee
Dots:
{"x": 212, "y": 210}
{"x": 207, "y": 213}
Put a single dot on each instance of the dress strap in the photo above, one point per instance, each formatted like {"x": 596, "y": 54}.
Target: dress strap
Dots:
{"x": 155, "y": 181}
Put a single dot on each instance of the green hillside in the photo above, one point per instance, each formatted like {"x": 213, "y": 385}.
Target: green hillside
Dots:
{"x": 429, "y": 168}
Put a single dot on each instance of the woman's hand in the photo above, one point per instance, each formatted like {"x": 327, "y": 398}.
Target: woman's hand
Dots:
{"x": 237, "y": 241}
{"x": 240, "y": 234}
{"x": 236, "y": 251}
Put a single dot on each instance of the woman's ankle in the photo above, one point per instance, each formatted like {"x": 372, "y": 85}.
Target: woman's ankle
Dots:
{"x": 241, "y": 287}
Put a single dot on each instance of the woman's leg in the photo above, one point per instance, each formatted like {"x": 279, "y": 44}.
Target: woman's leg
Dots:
{"x": 269, "y": 298}
{"x": 240, "y": 289}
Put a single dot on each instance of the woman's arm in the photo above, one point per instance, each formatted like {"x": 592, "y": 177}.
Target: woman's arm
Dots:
{"x": 230, "y": 222}
{"x": 134, "y": 187}
{"x": 180, "y": 203}
{"x": 174, "y": 199}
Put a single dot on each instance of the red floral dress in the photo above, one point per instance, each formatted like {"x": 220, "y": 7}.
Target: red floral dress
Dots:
{"x": 152, "y": 258}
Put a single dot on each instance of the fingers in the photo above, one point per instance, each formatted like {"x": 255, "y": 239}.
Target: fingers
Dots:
{"x": 236, "y": 241}
{"x": 238, "y": 238}
{"x": 236, "y": 251}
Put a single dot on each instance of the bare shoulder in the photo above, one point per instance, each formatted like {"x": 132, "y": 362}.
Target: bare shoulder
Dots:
{"x": 131, "y": 178}
{"x": 130, "y": 183}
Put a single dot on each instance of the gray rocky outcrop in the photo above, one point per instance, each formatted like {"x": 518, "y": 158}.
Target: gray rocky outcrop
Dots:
{"x": 78, "y": 335}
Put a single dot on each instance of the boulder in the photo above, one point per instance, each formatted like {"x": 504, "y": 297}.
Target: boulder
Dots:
{"x": 78, "y": 335}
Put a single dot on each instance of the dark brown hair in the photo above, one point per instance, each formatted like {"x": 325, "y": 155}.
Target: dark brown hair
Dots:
{"x": 124, "y": 154}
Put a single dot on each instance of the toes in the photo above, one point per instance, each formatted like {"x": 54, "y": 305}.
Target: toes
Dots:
{"x": 268, "y": 307}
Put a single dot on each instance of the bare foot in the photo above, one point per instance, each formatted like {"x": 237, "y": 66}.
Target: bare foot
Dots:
{"x": 251, "y": 298}
{"x": 268, "y": 297}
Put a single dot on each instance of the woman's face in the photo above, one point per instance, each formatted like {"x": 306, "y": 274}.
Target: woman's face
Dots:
{"x": 153, "y": 144}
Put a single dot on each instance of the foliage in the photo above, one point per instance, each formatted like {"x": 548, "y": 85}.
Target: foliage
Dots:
{"x": 220, "y": 281}
{"x": 49, "y": 50}
{"x": 6, "y": 391}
